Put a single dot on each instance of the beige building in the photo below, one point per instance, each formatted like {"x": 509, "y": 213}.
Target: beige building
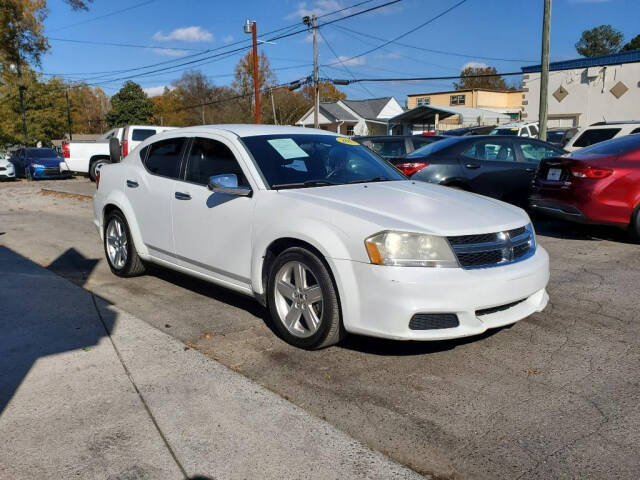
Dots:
{"x": 501, "y": 101}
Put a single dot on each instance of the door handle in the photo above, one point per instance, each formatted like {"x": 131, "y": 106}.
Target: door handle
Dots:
{"x": 472, "y": 165}
{"x": 132, "y": 184}
{"x": 529, "y": 169}
{"x": 182, "y": 196}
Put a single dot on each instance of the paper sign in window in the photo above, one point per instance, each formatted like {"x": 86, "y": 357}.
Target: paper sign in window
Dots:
{"x": 287, "y": 148}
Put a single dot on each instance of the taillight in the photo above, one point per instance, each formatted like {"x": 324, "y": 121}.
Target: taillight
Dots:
{"x": 409, "y": 168}
{"x": 97, "y": 179}
{"x": 66, "y": 153}
{"x": 590, "y": 172}
{"x": 125, "y": 147}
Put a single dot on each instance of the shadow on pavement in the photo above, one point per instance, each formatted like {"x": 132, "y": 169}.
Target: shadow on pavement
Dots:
{"x": 554, "y": 228}
{"x": 41, "y": 315}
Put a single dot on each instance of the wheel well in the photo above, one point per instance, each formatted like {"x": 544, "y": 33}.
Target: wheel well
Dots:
{"x": 280, "y": 245}
{"x": 98, "y": 157}
{"x": 108, "y": 209}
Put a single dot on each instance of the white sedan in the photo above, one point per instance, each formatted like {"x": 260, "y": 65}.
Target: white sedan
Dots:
{"x": 323, "y": 232}
{"x": 7, "y": 170}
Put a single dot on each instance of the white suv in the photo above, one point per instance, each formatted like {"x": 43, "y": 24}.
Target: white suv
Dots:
{"x": 517, "y": 129}
{"x": 599, "y": 132}
{"x": 322, "y": 231}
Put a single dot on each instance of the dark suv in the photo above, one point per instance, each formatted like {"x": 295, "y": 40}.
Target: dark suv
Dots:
{"x": 394, "y": 147}
{"x": 497, "y": 166}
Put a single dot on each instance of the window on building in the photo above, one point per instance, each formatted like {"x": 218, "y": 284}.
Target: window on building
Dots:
{"x": 350, "y": 132}
{"x": 424, "y": 101}
{"x": 458, "y": 99}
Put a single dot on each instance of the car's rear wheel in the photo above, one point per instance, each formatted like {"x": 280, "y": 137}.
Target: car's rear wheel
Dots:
{"x": 119, "y": 249}
{"x": 303, "y": 301}
{"x": 634, "y": 226}
{"x": 95, "y": 167}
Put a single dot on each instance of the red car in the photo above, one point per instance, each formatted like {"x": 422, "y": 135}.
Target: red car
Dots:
{"x": 598, "y": 184}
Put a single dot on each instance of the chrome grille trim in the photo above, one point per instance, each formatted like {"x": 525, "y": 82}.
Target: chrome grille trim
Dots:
{"x": 509, "y": 246}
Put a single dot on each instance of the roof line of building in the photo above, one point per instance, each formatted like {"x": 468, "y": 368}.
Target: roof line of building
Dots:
{"x": 496, "y": 90}
{"x": 602, "y": 60}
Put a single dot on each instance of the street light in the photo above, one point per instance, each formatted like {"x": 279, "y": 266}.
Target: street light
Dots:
{"x": 252, "y": 28}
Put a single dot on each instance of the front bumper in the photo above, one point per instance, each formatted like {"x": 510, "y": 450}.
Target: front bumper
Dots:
{"x": 49, "y": 172}
{"x": 381, "y": 300}
{"x": 7, "y": 173}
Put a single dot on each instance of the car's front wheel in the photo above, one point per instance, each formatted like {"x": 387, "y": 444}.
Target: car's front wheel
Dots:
{"x": 119, "y": 249}
{"x": 303, "y": 301}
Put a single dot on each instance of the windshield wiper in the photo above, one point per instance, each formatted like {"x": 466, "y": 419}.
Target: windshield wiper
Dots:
{"x": 308, "y": 183}
{"x": 370, "y": 180}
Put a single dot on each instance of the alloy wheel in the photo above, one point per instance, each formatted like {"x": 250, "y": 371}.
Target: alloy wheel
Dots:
{"x": 299, "y": 299}
{"x": 117, "y": 244}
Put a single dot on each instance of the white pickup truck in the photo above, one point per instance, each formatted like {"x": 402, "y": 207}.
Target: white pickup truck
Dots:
{"x": 88, "y": 157}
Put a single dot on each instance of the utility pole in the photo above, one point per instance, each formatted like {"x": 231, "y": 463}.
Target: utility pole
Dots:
{"x": 21, "y": 89}
{"x": 69, "y": 115}
{"x": 316, "y": 85}
{"x": 252, "y": 28}
{"x": 311, "y": 23}
{"x": 544, "y": 72}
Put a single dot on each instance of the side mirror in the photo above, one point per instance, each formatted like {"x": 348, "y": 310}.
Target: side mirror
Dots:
{"x": 115, "y": 153}
{"x": 228, "y": 183}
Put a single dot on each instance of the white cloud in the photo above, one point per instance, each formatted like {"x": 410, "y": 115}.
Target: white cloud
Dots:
{"x": 474, "y": 65}
{"x": 155, "y": 91}
{"x": 185, "y": 34}
{"x": 343, "y": 60}
{"x": 170, "y": 52}
{"x": 228, "y": 39}
{"x": 320, "y": 7}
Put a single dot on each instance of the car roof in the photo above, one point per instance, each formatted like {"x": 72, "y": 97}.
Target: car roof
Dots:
{"x": 251, "y": 130}
{"x": 516, "y": 124}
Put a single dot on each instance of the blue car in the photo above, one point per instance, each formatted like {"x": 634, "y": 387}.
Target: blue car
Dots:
{"x": 39, "y": 163}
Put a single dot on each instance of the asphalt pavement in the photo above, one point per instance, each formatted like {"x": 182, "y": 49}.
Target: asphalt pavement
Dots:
{"x": 554, "y": 396}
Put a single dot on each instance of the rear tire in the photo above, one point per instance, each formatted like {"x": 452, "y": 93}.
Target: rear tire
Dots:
{"x": 303, "y": 300}
{"x": 95, "y": 167}
{"x": 119, "y": 249}
{"x": 634, "y": 226}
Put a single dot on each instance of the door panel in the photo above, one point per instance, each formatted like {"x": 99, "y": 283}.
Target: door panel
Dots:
{"x": 213, "y": 230}
{"x": 150, "y": 189}
{"x": 490, "y": 165}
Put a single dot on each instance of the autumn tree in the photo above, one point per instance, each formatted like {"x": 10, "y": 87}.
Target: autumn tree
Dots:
{"x": 243, "y": 83}
{"x": 328, "y": 92}
{"x": 289, "y": 106}
{"x": 129, "y": 106}
{"x": 89, "y": 107}
{"x": 480, "y": 77}
{"x": 601, "y": 40}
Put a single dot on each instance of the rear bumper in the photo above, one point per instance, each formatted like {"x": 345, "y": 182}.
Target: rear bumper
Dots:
{"x": 557, "y": 209}
{"x": 380, "y": 301}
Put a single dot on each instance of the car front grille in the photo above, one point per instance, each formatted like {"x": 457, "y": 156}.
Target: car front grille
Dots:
{"x": 2, "y": 169}
{"x": 499, "y": 308}
{"x": 494, "y": 249}
{"x": 433, "y": 321}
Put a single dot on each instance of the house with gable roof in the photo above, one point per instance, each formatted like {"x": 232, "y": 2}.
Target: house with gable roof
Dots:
{"x": 354, "y": 117}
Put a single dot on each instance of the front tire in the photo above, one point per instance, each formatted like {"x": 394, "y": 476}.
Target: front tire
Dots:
{"x": 119, "y": 249}
{"x": 303, "y": 301}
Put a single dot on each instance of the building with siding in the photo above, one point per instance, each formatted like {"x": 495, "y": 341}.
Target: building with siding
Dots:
{"x": 586, "y": 90}
{"x": 500, "y": 101}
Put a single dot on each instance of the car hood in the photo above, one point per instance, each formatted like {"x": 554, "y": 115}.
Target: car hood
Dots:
{"x": 412, "y": 205}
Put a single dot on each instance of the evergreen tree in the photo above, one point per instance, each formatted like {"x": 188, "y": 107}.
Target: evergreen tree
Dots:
{"x": 130, "y": 106}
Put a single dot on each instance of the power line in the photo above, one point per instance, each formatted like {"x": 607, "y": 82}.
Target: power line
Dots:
{"x": 104, "y": 16}
{"x": 441, "y": 52}
{"x": 408, "y": 32}
{"x": 416, "y": 79}
{"x": 128, "y": 45}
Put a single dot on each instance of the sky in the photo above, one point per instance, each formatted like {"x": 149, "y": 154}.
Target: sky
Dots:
{"x": 504, "y": 34}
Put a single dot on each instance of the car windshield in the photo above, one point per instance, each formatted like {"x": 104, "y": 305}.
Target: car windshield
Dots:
{"x": 42, "y": 153}
{"x": 300, "y": 161}
{"x": 432, "y": 148}
{"x": 505, "y": 131}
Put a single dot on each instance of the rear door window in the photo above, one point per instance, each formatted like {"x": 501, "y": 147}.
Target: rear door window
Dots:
{"x": 635, "y": 130}
{"x": 533, "y": 152}
{"x": 595, "y": 135}
{"x": 140, "y": 134}
{"x": 208, "y": 158}
{"x": 164, "y": 157}
{"x": 491, "y": 150}
{"x": 534, "y": 130}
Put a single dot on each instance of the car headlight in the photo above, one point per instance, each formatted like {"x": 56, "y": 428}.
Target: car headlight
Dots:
{"x": 37, "y": 165}
{"x": 405, "y": 249}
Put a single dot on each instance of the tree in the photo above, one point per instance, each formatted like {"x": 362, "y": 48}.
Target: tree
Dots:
{"x": 328, "y": 92}
{"x": 243, "y": 83}
{"x": 469, "y": 79}
{"x": 633, "y": 44}
{"x": 21, "y": 29}
{"x": 130, "y": 106}
{"x": 601, "y": 40}
{"x": 289, "y": 106}
{"x": 88, "y": 109}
